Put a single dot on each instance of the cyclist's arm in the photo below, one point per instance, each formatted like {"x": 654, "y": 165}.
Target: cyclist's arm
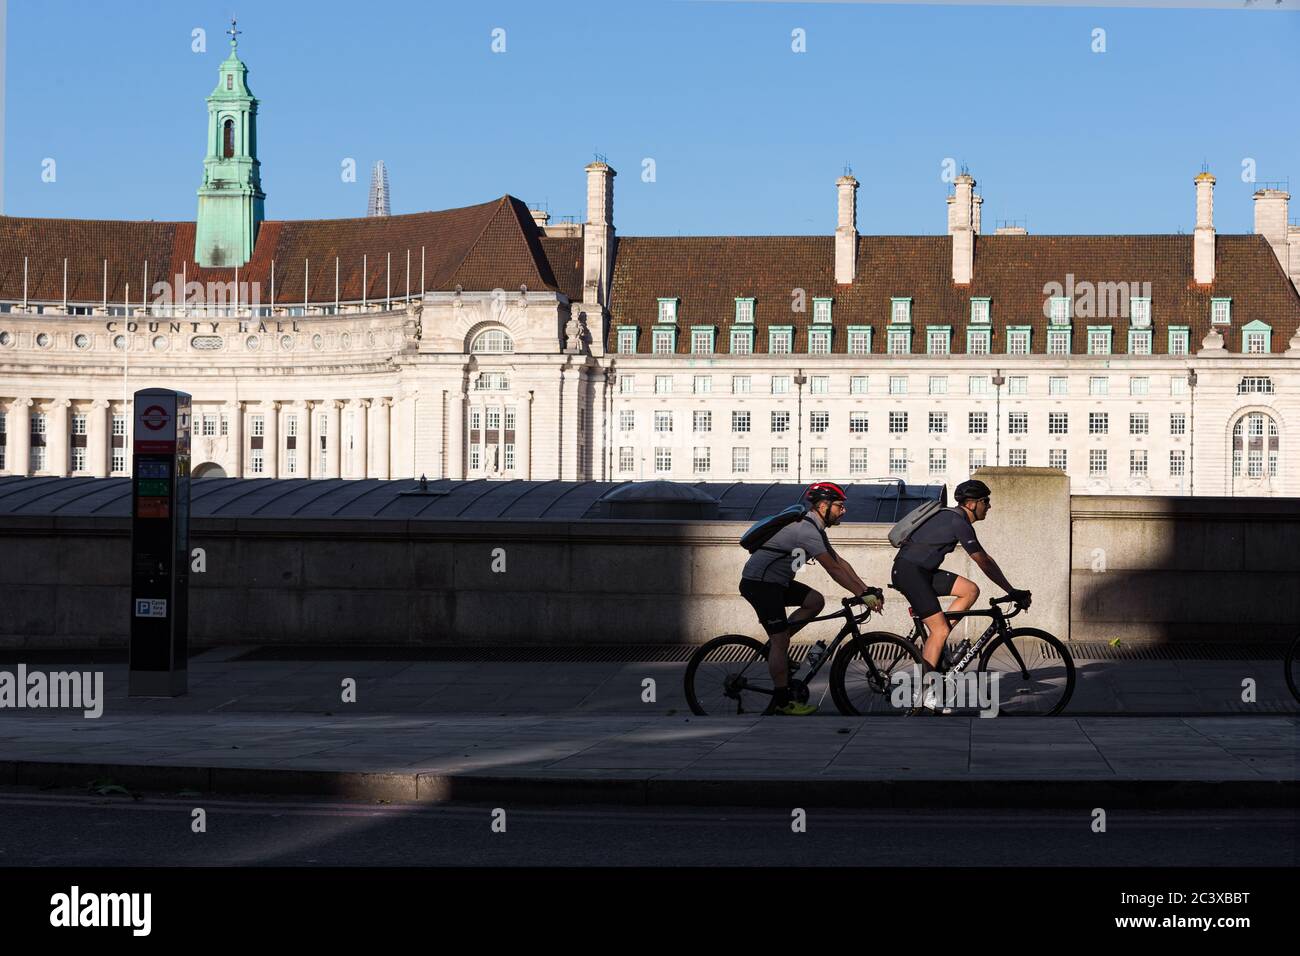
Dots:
{"x": 841, "y": 573}
{"x": 990, "y": 567}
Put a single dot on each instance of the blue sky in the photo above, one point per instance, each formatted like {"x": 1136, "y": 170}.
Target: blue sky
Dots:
{"x": 747, "y": 137}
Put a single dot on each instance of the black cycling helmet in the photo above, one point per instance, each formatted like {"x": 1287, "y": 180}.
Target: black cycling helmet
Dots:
{"x": 824, "y": 491}
{"x": 974, "y": 489}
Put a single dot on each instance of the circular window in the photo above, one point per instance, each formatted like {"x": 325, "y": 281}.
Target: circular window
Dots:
{"x": 317, "y": 342}
{"x": 286, "y": 342}
{"x": 252, "y": 343}
{"x": 5, "y": 338}
{"x": 160, "y": 342}
{"x": 345, "y": 340}
{"x": 43, "y": 340}
{"x": 81, "y": 340}
{"x": 119, "y": 341}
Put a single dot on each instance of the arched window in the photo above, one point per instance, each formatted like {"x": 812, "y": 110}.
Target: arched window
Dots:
{"x": 228, "y": 139}
{"x": 493, "y": 340}
{"x": 1255, "y": 440}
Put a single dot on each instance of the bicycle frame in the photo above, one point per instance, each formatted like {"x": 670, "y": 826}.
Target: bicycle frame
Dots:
{"x": 850, "y": 627}
{"x": 997, "y": 627}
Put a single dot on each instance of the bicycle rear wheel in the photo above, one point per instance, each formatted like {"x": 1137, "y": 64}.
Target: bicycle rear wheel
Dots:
{"x": 729, "y": 676}
{"x": 1033, "y": 670}
{"x": 862, "y": 682}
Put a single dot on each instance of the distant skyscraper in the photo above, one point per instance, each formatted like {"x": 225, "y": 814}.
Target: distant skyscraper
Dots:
{"x": 378, "y": 205}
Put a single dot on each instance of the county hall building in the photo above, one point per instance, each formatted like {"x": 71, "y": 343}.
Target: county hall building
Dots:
{"x": 487, "y": 343}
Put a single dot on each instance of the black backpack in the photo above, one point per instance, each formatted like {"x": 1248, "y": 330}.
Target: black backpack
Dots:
{"x": 761, "y": 531}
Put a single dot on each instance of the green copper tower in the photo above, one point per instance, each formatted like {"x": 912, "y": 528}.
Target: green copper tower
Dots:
{"x": 231, "y": 198}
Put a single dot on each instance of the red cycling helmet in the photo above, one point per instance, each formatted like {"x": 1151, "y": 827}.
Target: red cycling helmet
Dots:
{"x": 825, "y": 491}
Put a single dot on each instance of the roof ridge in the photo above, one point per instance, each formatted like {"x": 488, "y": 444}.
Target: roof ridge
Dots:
{"x": 504, "y": 203}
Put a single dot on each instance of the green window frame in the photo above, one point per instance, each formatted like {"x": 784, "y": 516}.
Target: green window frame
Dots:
{"x": 745, "y": 333}
{"x": 893, "y": 310}
{"x": 828, "y": 330}
{"x": 713, "y": 338}
{"x": 1227, "y": 310}
{"x": 780, "y": 330}
{"x": 946, "y": 331}
{"x": 1059, "y": 330}
{"x": 1256, "y": 327}
{"x": 1135, "y": 334}
{"x": 1181, "y": 333}
{"x": 737, "y": 317}
{"x": 852, "y": 332}
{"x": 1028, "y": 331}
{"x": 659, "y": 314}
{"x": 985, "y": 301}
{"x": 1110, "y": 334}
{"x": 658, "y": 330}
{"x": 636, "y": 338}
{"x": 826, "y": 304}
{"x": 905, "y": 331}
{"x": 984, "y": 334}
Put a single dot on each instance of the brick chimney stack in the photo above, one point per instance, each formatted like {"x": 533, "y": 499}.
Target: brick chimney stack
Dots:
{"x": 1203, "y": 238}
{"x": 961, "y": 226}
{"x": 1271, "y": 223}
{"x": 846, "y": 230}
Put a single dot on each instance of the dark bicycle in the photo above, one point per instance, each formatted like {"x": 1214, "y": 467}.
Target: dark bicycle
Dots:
{"x": 1034, "y": 670}
{"x": 729, "y": 675}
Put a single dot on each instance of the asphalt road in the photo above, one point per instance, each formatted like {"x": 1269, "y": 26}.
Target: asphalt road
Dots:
{"x": 69, "y": 828}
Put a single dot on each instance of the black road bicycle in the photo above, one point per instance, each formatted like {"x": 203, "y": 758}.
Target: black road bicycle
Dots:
{"x": 1034, "y": 670}
{"x": 729, "y": 675}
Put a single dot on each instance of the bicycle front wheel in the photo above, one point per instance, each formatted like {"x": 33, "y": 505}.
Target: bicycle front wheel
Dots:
{"x": 1032, "y": 671}
{"x": 862, "y": 676}
{"x": 729, "y": 676}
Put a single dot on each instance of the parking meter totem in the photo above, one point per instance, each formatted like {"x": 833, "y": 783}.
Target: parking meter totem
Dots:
{"x": 160, "y": 544}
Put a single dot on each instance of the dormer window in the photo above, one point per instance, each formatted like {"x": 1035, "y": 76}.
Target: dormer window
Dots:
{"x": 979, "y": 311}
{"x": 744, "y": 311}
{"x": 1060, "y": 310}
{"x": 901, "y": 313}
{"x": 667, "y": 310}
{"x": 1140, "y": 312}
{"x": 1221, "y": 311}
{"x": 821, "y": 311}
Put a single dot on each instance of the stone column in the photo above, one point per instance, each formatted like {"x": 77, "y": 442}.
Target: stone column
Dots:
{"x": 271, "y": 440}
{"x": 19, "y": 426}
{"x": 333, "y": 438}
{"x": 306, "y": 450}
{"x": 379, "y": 412}
{"x": 524, "y": 436}
{"x": 456, "y": 436}
{"x": 360, "y": 458}
{"x": 234, "y": 463}
{"x": 97, "y": 460}
{"x": 58, "y": 438}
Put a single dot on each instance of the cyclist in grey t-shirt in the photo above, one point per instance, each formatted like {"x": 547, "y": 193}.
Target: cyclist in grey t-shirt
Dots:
{"x": 767, "y": 583}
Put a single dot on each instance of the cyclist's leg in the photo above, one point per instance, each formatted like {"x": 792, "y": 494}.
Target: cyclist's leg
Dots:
{"x": 916, "y": 584}
{"x": 767, "y": 600}
{"x": 965, "y": 592}
{"x": 810, "y": 604}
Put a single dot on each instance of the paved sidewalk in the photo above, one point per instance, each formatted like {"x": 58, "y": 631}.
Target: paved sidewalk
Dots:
{"x": 221, "y": 683}
{"x": 1105, "y": 761}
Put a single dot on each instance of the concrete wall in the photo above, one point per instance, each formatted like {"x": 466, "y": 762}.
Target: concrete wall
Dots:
{"x": 1179, "y": 569}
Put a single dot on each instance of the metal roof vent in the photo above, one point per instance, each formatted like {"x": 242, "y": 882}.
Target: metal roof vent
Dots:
{"x": 668, "y": 500}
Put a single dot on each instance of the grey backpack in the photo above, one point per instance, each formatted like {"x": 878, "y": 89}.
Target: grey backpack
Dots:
{"x": 906, "y": 525}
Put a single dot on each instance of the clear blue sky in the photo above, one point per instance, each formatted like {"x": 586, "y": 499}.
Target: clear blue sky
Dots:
{"x": 747, "y": 136}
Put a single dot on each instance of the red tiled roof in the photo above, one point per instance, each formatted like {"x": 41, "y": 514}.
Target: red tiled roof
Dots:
{"x": 491, "y": 245}
{"x": 708, "y": 273}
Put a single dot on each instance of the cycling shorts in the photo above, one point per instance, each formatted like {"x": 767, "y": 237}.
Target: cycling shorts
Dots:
{"x": 770, "y": 601}
{"x": 921, "y": 586}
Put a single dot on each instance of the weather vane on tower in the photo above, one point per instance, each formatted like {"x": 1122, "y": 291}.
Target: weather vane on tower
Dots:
{"x": 233, "y": 32}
